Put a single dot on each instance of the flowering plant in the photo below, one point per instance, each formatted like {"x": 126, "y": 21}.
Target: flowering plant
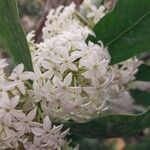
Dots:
{"x": 73, "y": 79}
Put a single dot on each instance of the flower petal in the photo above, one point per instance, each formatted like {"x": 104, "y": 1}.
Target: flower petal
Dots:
{"x": 47, "y": 124}
{"x": 18, "y": 114}
{"x": 21, "y": 87}
{"x": 19, "y": 69}
{"x": 72, "y": 58}
{"x": 37, "y": 131}
{"x": 32, "y": 114}
{"x": 27, "y": 75}
{"x": 15, "y": 101}
{"x": 68, "y": 79}
{"x": 57, "y": 82}
{"x": 56, "y": 129}
{"x": 72, "y": 66}
{"x": 4, "y": 100}
{"x": 64, "y": 133}
{"x": 7, "y": 119}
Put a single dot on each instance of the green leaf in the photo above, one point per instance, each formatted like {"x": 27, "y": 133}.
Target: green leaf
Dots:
{"x": 125, "y": 30}
{"x": 12, "y": 34}
{"x": 143, "y": 73}
{"x": 141, "y": 97}
{"x": 111, "y": 126}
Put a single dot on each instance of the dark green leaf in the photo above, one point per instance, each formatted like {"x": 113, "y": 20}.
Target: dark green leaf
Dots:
{"x": 92, "y": 144}
{"x": 125, "y": 30}
{"x": 144, "y": 73}
{"x": 12, "y": 34}
{"x": 111, "y": 126}
{"x": 141, "y": 97}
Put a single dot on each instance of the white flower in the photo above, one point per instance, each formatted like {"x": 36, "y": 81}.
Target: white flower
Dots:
{"x": 125, "y": 72}
{"x": 10, "y": 141}
{"x": 95, "y": 68}
{"x": 128, "y": 69}
{"x": 72, "y": 40}
{"x": 35, "y": 145}
{"x": 6, "y": 86}
{"x": 59, "y": 20}
{"x": 18, "y": 76}
{"x": 41, "y": 54}
{"x": 98, "y": 89}
{"x": 62, "y": 86}
{"x": 7, "y": 109}
{"x": 95, "y": 13}
{"x": 48, "y": 92}
{"x": 67, "y": 61}
{"x": 25, "y": 123}
{"x": 34, "y": 94}
{"x": 39, "y": 75}
{"x": 52, "y": 68}
{"x": 48, "y": 135}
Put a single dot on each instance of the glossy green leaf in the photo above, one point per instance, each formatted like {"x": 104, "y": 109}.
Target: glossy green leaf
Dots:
{"x": 125, "y": 30}
{"x": 144, "y": 73}
{"x": 141, "y": 97}
{"x": 111, "y": 126}
{"x": 12, "y": 35}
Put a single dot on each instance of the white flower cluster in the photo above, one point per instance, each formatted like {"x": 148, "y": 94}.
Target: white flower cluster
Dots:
{"x": 93, "y": 14}
{"x": 75, "y": 80}
{"x": 72, "y": 79}
{"x": 20, "y": 127}
{"x": 63, "y": 20}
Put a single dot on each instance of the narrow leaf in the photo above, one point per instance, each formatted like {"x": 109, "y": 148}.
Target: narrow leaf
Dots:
{"x": 111, "y": 126}
{"x": 12, "y": 35}
{"x": 125, "y": 30}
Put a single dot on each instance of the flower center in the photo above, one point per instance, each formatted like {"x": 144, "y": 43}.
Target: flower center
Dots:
{"x": 64, "y": 88}
{"x": 95, "y": 66}
{"x": 26, "y": 122}
{"x": 66, "y": 61}
{"x": 54, "y": 69}
{"x": 17, "y": 78}
{"x": 7, "y": 110}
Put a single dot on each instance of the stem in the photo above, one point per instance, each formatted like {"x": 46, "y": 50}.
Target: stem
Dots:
{"x": 75, "y": 81}
{"x": 28, "y": 84}
{"x": 40, "y": 115}
{"x": 82, "y": 19}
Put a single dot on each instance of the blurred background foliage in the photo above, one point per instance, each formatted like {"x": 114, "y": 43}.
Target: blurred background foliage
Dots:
{"x": 33, "y": 11}
{"x": 33, "y": 15}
